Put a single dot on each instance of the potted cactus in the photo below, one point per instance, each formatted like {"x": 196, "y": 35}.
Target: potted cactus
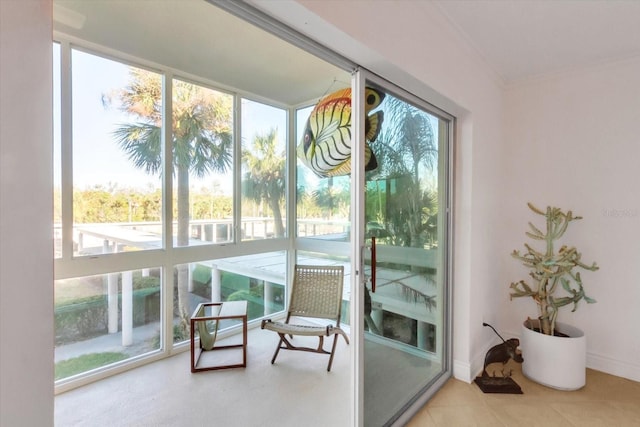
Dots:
{"x": 554, "y": 353}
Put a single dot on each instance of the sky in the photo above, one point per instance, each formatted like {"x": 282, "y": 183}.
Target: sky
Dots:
{"x": 97, "y": 158}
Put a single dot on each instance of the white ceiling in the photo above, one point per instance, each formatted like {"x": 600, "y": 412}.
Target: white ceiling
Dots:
{"x": 198, "y": 38}
{"x": 521, "y": 39}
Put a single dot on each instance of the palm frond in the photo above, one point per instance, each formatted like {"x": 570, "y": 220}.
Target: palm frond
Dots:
{"x": 142, "y": 144}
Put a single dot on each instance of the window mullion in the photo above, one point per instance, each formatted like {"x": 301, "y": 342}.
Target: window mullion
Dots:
{"x": 291, "y": 201}
{"x": 237, "y": 169}
{"x": 167, "y": 210}
{"x": 66, "y": 151}
{"x": 167, "y": 156}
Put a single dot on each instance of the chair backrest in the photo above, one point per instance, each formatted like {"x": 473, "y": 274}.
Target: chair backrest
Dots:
{"x": 317, "y": 292}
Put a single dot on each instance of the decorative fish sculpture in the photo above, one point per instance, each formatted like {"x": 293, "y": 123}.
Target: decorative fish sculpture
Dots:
{"x": 325, "y": 146}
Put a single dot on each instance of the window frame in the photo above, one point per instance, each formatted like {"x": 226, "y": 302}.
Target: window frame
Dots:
{"x": 69, "y": 266}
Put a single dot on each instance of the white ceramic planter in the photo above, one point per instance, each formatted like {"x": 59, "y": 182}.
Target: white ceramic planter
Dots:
{"x": 556, "y": 362}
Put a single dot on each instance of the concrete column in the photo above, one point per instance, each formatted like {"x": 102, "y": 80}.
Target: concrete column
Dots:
{"x": 112, "y": 295}
{"x": 439, "y": 338}
{"x": 376, "y": 317}
{"x": 190, "y": 279}
{"x": 80, "y": 242}
{"x": 127, "y": 308}
{"x": 216, "y": 286}
{"x": 112, "y": 302}
{"x": 422, "y": 339}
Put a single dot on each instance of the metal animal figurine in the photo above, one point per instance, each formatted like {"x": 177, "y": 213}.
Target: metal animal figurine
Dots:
{"x": 502, "y": 352}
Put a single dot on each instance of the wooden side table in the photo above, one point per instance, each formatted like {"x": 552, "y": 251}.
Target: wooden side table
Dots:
{"x": 218, "y": 311}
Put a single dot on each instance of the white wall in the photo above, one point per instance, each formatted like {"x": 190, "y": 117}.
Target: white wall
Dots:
{"x": 573, "y": 141}
{"x": 26, "y": 245}
{"x": 410, "y": 43}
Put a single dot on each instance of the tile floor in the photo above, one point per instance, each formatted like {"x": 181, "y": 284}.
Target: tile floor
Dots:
{"x": 166, "y": 394}
{"x": 606, "y": 400}
{"x": 141, "y": 398}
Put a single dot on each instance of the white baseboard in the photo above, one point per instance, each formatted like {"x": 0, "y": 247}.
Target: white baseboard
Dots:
{"x": 467, "y": 372}
{"x": 462, "y": 371}
{"x": 613, "y": 367}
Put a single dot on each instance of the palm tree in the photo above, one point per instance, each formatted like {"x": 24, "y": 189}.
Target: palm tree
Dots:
{"x": 264, "y": 179}
{"x": 405, "y": 147}
{"x": 407, "y": 150}
{"x": 202, "y": 142}
{"x": 333, "y": 197}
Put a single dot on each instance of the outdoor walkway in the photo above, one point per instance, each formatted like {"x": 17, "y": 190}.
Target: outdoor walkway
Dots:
{"x": 142, "y": 343}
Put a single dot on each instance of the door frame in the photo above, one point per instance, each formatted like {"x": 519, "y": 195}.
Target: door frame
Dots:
{"x": 360, "y": 77}
{"x": 357, "y": 247}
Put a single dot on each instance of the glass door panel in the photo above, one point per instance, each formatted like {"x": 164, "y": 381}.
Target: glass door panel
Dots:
{"x": 405, "y": 227}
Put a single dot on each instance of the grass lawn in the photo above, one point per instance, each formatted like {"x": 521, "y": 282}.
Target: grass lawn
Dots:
{"x": 86, "y": 362}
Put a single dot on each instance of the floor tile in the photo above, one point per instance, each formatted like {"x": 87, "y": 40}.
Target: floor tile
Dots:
{"x": 468, "y": 416}
{"x": 457, "y": 393}
{"x": 423, "y": 418}
{"x": 600, "y": 413}
{"x": 527, "y": 414}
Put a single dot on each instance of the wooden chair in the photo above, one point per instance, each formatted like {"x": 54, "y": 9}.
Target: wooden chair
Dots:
{"x": 316, "y": 292}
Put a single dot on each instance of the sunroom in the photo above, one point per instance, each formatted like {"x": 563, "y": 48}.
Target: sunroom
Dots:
{"x": 186, "y": 145}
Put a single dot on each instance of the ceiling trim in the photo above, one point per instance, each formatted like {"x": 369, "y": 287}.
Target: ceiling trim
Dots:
{"x": 260, "y": 19}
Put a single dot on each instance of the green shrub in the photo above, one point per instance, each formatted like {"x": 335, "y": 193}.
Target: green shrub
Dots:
{"x": 88, "y": 317}
{"x": 81, "y": 319}
{"x": 140, "y": 282}
{"x": 231, "y": 283}
{"x": 201, "y": 274}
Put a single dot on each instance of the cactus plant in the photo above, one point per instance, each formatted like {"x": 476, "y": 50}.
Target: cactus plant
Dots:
{"x": 551, "y": 269}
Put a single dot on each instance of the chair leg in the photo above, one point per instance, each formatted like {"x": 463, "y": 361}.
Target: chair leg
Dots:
{"x": 277, "y": 351}
{"x": 333, "y": 350}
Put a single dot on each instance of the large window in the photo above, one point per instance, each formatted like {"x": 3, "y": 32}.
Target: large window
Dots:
{"x": 143, "y": 191}
{"x": 173, "y": 161}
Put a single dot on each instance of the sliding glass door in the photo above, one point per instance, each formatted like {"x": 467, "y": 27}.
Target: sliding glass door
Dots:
{"x": 403, "y": 197}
